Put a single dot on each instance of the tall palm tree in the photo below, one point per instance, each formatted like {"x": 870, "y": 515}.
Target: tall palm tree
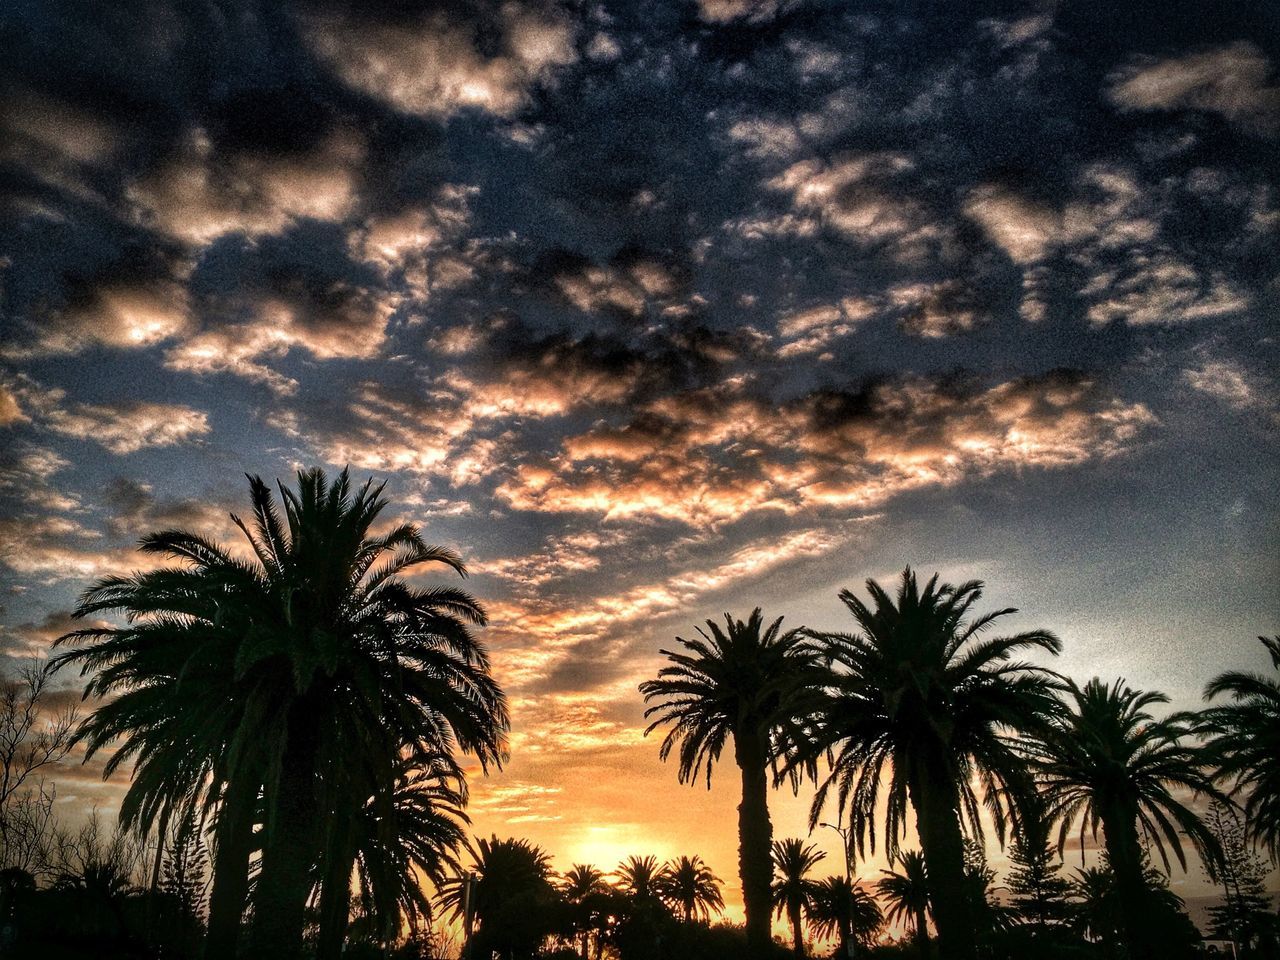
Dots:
{"x": 737, "y": 682}
{"x": 793, "y": 890}
{"x": 1244, "y": 744}
{"x": 906, "y": 896}
{"x": 919, "y": 690}
{"x": 289, "y": 683}
{"x": 1108, "y": 762}
{"x": 687, "y": 884}
{"x": 841, "y": 909}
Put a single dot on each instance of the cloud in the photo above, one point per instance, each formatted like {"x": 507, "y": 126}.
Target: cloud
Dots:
{"x": 1023, "y": 230}
{"x": 1231, "y": 81}
{"x": 753, "y": 11}
{"x": 812, "y": 329}
{"x": 203, "y": 192}
{"x": 1228, "y": 382}
{"x": 301, "y": 291}
{"x": 441, "y": 62}
{"x": 864, "y": 197}
{"x": 36, "y": 638}
{"x": 707, "y": 457}
{"x": 131, "y": 301}
{"x": 123, "y": 427}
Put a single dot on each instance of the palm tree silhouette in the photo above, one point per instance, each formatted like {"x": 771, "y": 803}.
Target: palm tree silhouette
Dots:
{"x": 737, "y": 682}
{"x": 403, "y": 836}
{"x": 921, "y": 691}
{"x": 294, "y": 681}
{"x": 793, "y": 891}
{"x": 1108, "y": 762}
{"x": 840, "y": 909}
{"x": 906, "y": 897}
{"x": 513, "y": 897}
{"x": 687, "y": 884}
{"x": 1245, "y": 744}
{"x": 581, "y": 886}
{"x": 638, "y": 878}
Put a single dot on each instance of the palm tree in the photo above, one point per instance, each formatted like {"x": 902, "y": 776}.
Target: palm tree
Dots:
{"x": 513, "y": 897}
{"x": 1109, "y": 763}
{"x": 793, "y": 891}
{"x": 688, "y": 885}
{"x": 288, "y": 685}
{"x": 581, "y": 886}
{"x": 638, "y": 878}
{"x": 734, "y": 683}
{"x": 906, "y": 895}
{"x": 842, "y": 909}
{"x": 410, "y": 833}
{"x": 1244, "y": 744}
{"x": 919, "y": 690}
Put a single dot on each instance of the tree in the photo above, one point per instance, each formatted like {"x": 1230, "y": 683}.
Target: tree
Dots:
{"x": 184, "y": 879}
{"x": 920, "y": 691}
{"x": 687, "y": 884}
{"x": 1108, "y": 762}
{"x": 284, "y": 690}
{"x": 842, "y": 909}
{"x": 402, "y": 838}
{"x": 1244, "y": 916}
{"x": 1097, "y": 913}
{"x": 1038, "y": 889}
{"x": 638, "y": 878}
{"x": 1244, "y": 743}
{"x": 738, "y": 682}
{"x": 32, "y": 740}
{"x": 793, "y": 891}
{"x": 513, "y": 898}
{"x": 590, "y": 901}
{"x": 907, "y": 896}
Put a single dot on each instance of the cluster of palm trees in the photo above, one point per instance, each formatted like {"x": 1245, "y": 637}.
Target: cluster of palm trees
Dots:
{"x": 304, "y": 703}
{"x": 309, "y": 708}
{"x": 920, "y": 709}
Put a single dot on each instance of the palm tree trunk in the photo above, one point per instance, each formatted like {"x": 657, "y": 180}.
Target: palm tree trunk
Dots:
{"x": 279, "y": 909}
{"x": 936, "y": 803}
{"x": 1125, "y": 856}
{"x": 922, "y": 935}
{"x": 755, "y": 838}
{"x": 233, "y": 849}
{"x": 797, "y": 933}
{"x": 335, "y": 889}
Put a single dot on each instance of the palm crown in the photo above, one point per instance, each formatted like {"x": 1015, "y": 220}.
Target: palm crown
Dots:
{"x": 303, "y": 673}
{"x": 1245, "y": 743}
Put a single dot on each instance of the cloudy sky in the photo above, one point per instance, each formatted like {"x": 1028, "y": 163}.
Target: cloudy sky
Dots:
{"x": 657, "y": 311}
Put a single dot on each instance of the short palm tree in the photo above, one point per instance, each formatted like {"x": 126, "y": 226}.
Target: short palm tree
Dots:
{"x": 688, "y": 886}
{"x": 1244, "y": 743}
{"x": 288, "y": 684}
{"x": 638, "y": 878}
{"x": 734, "y": 683}
{"x": 1108, "y": 762}
{"x": 513, "y": 898}
{"x": 793, "y": 890}
{"x": 842, "y": 909}
{"x": 581, "y": 887}
{"x": 906, "y": 896}
{"x": 919, "y": 699}
{"x": 404, "y": 836}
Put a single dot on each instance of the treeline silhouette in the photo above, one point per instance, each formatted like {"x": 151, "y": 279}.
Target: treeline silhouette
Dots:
{"x": 293, "y": 723}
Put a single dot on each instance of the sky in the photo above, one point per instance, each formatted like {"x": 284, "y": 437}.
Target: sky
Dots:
{"x": 656, "y": 312}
